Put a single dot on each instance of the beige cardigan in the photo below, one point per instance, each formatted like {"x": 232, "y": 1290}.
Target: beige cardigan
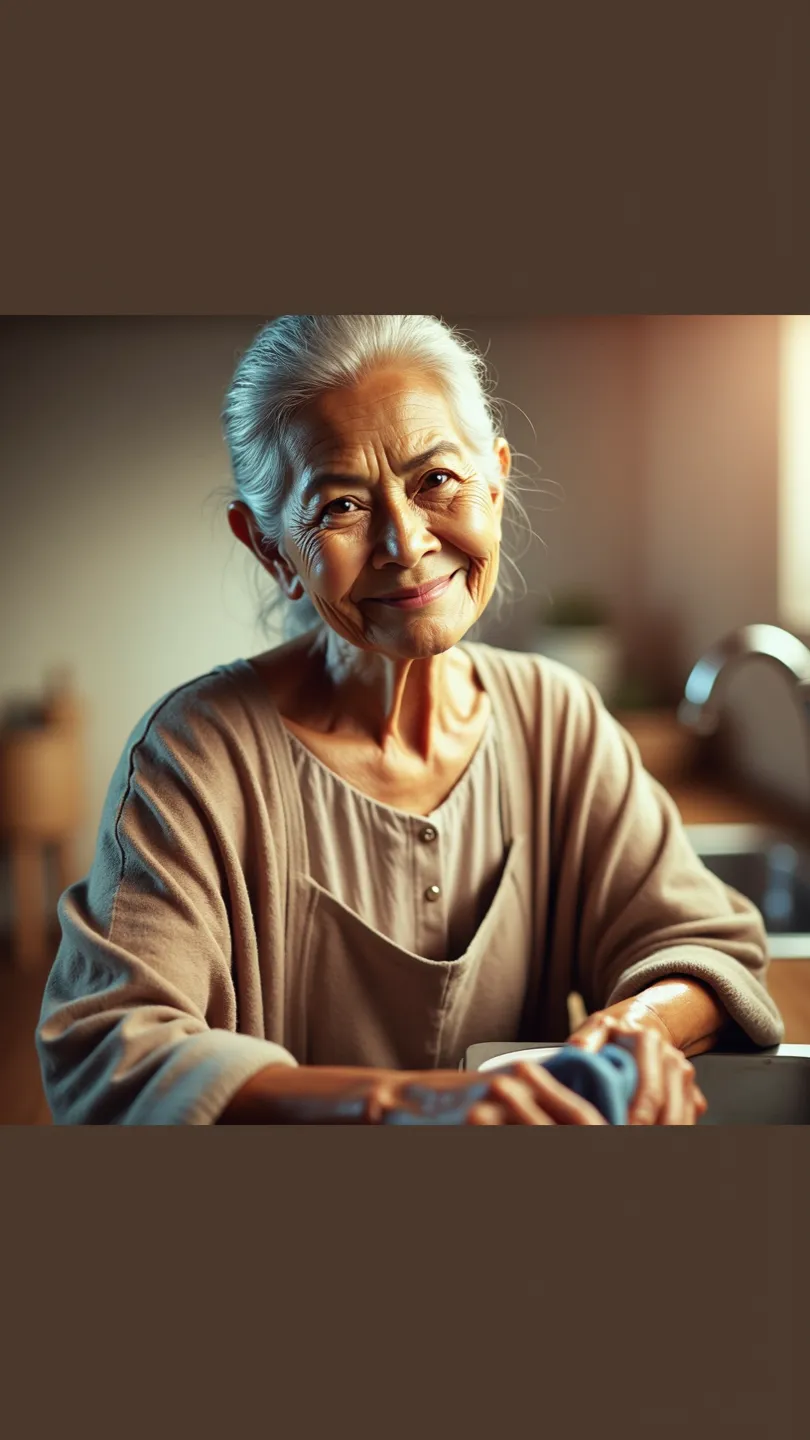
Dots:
{"x": 186, "y": 962}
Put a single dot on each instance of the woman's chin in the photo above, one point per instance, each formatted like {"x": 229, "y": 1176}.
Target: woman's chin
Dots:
{"x": 415, "y": 637}
{"x": 407, "y": 634}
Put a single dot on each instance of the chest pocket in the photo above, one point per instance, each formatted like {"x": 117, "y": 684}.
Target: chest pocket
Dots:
{"x": 362, "y": 999}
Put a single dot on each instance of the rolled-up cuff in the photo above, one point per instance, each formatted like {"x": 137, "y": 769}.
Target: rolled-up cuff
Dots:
{"x": 745, "y": 998}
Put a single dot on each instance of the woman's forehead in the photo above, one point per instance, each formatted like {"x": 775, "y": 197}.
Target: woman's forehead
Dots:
{"x": 398, "y": 410}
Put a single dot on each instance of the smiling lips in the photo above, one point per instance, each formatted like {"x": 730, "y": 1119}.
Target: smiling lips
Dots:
{"x": 413, "y": 599}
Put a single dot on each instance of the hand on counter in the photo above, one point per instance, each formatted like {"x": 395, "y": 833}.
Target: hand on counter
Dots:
{"x": 667, "y": 1091}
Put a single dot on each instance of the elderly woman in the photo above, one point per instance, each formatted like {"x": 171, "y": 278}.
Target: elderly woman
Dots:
{"x": 323, "y": 872}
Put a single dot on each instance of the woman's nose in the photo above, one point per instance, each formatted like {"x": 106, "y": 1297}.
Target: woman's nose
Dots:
{"x": 402, "y": 535}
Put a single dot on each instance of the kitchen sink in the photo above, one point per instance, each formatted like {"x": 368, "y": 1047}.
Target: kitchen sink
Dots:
{"x": 765, "y": 1087}
{"x": 768, "y": 869}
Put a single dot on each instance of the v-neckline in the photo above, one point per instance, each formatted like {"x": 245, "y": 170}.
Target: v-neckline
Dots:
{"x": 484, "y": 741}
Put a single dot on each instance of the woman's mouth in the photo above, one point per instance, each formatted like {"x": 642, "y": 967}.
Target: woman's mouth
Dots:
{"x": 414, "y": 599}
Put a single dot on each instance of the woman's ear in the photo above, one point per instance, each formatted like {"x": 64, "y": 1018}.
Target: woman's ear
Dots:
{"x": 497, "y": 485}
{"x": 283, "y": 573}
{"x": 243, "y": 524}
{"x": 244, "y": 527}
{"x": 503, "y": 455}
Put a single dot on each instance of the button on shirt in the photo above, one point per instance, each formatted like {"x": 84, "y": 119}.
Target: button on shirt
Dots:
{"x": 425, "y": 882}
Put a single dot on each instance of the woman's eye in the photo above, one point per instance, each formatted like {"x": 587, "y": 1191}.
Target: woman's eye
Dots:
{"x": 343, "y": 506}
{"x": 438, "y": 476}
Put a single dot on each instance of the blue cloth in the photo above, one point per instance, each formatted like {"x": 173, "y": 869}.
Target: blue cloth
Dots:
{"x": 606, "y": 1078}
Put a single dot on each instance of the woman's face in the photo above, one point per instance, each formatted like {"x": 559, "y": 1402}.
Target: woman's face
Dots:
{"x": 387, "y": 498}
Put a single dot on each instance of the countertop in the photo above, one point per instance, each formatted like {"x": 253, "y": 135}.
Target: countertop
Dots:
{"x": 702, "y": 800}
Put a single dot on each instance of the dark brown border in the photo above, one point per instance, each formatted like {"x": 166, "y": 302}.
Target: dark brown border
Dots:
{"x": 642, "y": 1281}
{"x": 601, "y": 159}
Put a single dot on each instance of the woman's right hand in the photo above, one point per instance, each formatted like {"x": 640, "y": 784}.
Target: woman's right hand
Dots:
{"x": 310, "y": 1094}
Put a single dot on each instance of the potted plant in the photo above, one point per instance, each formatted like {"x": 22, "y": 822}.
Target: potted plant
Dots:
{"x": 579, "y": 632}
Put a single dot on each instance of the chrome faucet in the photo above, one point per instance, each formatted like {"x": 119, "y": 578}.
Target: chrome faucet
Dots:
{"x": 700, "y": 709}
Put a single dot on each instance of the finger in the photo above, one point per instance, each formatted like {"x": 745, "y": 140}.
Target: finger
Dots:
{"x": 690, "y": 1093}
{"x": 592, "y": 1035}
{"x": 647, "y": 1103}
{"x": 382, "y": 1097}
{"x": 676, "y": 1109}
{"x": 562, "y": 1105}
{"x": 493, "y": 1112}
{"x": 485, "y": 1112}
{"x": 690, "y": 1108}
{"x": 517, "y": 1100}
{"x": 698, "y": 1100}
{"x": 695, "y": 1099}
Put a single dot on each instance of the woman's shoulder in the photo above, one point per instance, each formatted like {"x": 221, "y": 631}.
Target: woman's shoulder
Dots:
{"x": 561, "y": 714}
{"x": 230, "y": 707}
{"x": 534, "y": 679}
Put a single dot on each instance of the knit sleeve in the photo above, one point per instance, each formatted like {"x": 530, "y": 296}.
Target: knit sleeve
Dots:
{"x": 139, "y": 1021}
{"x": 641, "y": 905}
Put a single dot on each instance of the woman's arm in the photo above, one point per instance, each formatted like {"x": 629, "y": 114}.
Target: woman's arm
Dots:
{"x": 638, "y": 906}
{"x": 668, "y": 960}
{"x": 692, "y": 1017}
{"x": 139, "y": 1017}
{"x": 358, "y": 1096}
{"x": 270, "y": 1096}
{"x": 686, "y": 1013}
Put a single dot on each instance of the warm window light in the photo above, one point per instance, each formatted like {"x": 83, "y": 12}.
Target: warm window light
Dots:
{"x": 794, "y": 472}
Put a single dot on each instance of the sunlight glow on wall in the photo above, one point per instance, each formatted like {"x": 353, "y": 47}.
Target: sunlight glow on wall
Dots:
{"x": 794, "y": 473}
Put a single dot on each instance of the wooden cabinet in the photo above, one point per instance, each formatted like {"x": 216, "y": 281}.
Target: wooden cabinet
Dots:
{"x": 41, "y": 809}
{"x": 789, "y": 984}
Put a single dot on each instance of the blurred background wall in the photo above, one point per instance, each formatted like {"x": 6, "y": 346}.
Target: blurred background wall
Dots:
{"x": 654, "y": 465}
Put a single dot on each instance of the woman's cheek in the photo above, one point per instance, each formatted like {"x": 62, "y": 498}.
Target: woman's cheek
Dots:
{"x": 483, "y": 576}
{"x": 477, "y": 527}
{"x": 477, "y": 534}
{"x": 333, "y": 568}
{"x": 345, "y": 621}
{"x": 339, "y": 612}
{"x": 331, "y": 578}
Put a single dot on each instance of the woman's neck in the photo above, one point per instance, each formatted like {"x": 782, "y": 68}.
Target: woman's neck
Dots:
{"x": 408, "y": 705}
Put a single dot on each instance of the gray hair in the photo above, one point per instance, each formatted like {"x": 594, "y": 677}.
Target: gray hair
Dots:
{"x": 296, "y": 358}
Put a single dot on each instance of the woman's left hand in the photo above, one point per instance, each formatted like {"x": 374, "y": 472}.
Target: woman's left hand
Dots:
{"x": 667, "y": 1091}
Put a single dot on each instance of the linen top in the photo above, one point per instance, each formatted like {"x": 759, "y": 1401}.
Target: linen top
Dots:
{"x": 201, "y": 948}
{"x": 457, "y": 850}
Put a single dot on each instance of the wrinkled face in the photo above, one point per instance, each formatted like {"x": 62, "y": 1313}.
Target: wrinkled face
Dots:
{"x": 391, "y": 523}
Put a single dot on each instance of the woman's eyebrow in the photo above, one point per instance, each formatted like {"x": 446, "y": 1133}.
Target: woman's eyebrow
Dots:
{"x": 442, "y": 447}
